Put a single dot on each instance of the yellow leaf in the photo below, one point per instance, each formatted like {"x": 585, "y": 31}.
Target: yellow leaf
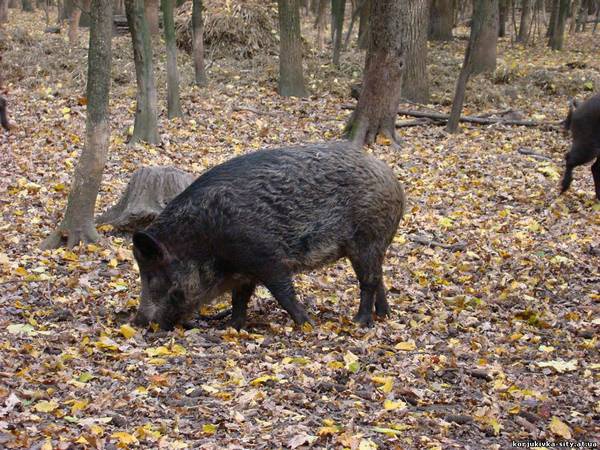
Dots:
{"x": 45, "y": 406}
{"x": 124, "y": 438}
{"x": 209, "y": 429}
{"x": 47, "y": 445}
{"x": 445, "y": 222}
{"x": 559, "y": 365}
{"x": 560, "y": 428}
{"x": 390, "y": 405}
{"x": 113, "y": 263}
{"x": 264, "y": 378}
{"x": 106, "y": 343}
{"x": 405, "y": 346}
{"x": 351, "y": 361}
{"x": 367, "y": 444}
{"x": 324, "y": 431}
{"x": 127, "y": 331}
{"x": 550, "y": 171}
{"x": 383, "y": 140}
{"x": 386, "y": 382}
{"x": 78, "y": 405}
{"x": 97, "y": 430}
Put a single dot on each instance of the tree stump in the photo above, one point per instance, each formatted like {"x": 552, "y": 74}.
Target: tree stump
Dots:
{"x": 146, "y": 195}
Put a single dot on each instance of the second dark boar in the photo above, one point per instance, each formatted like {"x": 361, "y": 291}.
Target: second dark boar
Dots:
{"x": 584, "y": 123}
{"x": 260, "y": 218}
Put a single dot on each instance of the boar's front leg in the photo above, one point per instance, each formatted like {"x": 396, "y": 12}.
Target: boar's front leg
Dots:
{"x": 596, "y": 174}
{"x": 382, "y": 307}
{"x": 240, "y": 296}
{"x": 282, "y": 289}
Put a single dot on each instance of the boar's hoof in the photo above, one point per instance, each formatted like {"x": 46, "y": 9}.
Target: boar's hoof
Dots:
{"x": 382, "y": 310}
{"x": 364, "y": 320}
{"x": 237, "y": 322}
{"x": 301, "y": 317}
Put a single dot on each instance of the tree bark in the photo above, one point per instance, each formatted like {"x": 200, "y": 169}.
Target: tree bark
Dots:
{"x": 338, "y": 8}
{"x": 483, "y": 11}
{"x": 553, "y": 18}
{"x": 523, "y": 36}
{"x": 78, "y": 222}
{"x": 363, "y": 26}
{"x": 415, "y": 81}
{"x": 74, "y": 22}
{"x": 27, "y": 5}
{"x": 484, "y": 54}
{"x": 321, "y": 22}
{"x": 441, "y": 20}
{"x": 291, "y": 78}
{"x": 503, "y": 6}
{"x": 557, "y": 37}
{"x": 151, "y": 8}
{"x": 375, "y": 112}
{"x": 173, "y": 100}
{"x": 198, "y": 42}
{"x": 575, "y": 7}
{"x": 3, "y": 11}
{"x": 145, "y": 127}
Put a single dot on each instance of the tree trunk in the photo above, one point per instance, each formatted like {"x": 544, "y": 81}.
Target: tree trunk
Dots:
{"x": 523, "y": 36}
{"x": 484, "y": 54}
{"x": 3, "y": 11}
{"x": 198, "y": 42}
{"x": 14, "y": 4}
{"x": 321, "y": 23}
{"x": 291, "y": 79}
{"x": 376, "y": 110}
{"x": 78, "y": 222}
{"x": 363, "y": 26}
{"x": 553, "y": 19}
{"x": 151, "y": 8}
{"x": 119, "y": 7}
{"x": 27, "y": 5}
{"x": 74, "y": 22}
{"x": 173, "y": 101}
{"x": 504, "y": 6}
{"x": 441, "y": 20}
{"x": 415, "y": 82}
{"x": 146, "y": 195}
{"x": 557, "y": 38}
{"x": 483, "y": 12}
{"x": 145, "y": 127}
{"x": 575, "y": 7}
{"x": 338, "y": 8}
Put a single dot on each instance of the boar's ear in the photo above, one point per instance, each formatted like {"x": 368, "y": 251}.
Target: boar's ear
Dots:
{"x": 147, "y": 248}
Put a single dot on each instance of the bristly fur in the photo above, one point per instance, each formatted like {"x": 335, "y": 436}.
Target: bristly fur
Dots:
{"x": 3, "y": 114}
{"x": 261, "y": 217}
{"x": 583, "y": 121}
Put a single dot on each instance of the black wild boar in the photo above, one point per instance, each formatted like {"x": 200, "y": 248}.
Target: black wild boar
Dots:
{"x": 3, "y": 115}
{"x": 260, "y": 218}
{"x": 584, "y": 123}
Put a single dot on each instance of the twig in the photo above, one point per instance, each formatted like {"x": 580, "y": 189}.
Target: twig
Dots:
{"x": 433, "y": 243}
{"x": 253, "y": 110}
{"x": 527, "y": 152}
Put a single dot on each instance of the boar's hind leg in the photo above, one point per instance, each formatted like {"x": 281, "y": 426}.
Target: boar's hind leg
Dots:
{"x": 367, "y": 265}
{"x": 283, "y": 290}
{"x": 382, "y": 307}
{"x": 239, "y": 299}
{"x": 596, "y": 174}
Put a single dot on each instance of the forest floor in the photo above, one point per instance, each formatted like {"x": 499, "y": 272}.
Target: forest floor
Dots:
{"x": 493, "y": 336}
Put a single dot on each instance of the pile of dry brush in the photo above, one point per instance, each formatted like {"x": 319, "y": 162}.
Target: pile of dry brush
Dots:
{"x": 239, "y": 30}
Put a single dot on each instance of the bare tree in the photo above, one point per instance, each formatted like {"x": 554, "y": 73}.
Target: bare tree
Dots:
{"x": 78, "y": 222}
{"x": 291, "y": 78}
{"x": 483, "y": 10}
{"x": 483, "y": 56}
{"x": 152, "y": 17}
{"x": 198, "y": 42}
{"x": 524, "y": 27}
{"x": 415, "y": 81}
{"x": 3, "y": 11}
{"x": 377, "y": 106}
{"x": 145, "y": 127}
{"x": 441, "y": 20}
{"x": 557, "y": 35}
{"x": 173, "y": 100}
{"x": 338, "y": 8}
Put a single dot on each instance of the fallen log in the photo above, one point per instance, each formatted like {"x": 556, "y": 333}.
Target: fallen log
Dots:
{"x": 443, "y": 118}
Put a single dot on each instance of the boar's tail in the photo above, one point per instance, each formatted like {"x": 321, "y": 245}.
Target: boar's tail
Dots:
{"x": 567, "y": 178}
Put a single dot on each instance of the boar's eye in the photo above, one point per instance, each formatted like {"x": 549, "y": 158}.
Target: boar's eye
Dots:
{"x": 176, "y": 296}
